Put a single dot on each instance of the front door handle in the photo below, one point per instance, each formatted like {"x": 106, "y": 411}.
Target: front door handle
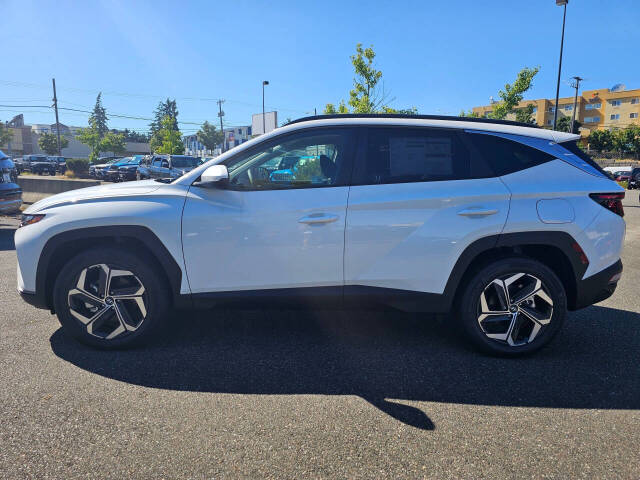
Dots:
{"x": 318, "y": 218}
{"x": 477, "y": 212}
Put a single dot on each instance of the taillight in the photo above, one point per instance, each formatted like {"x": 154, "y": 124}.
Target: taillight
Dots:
{"x": 610, "y": 201}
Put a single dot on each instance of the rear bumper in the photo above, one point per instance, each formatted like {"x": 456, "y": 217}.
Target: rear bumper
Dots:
{"x": 597, "y": 287}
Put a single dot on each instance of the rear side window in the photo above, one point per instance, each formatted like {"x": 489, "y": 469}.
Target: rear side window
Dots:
{"x": 507, "y": 156}
{"x": 582, "y": 155}
{"x": 401, "y": 155}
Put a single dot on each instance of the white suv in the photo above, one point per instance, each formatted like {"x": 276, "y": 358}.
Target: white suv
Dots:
{"x": 503, "y": 225}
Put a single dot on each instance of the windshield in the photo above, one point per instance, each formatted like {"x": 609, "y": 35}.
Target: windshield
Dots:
{"x": 184, "y": 162}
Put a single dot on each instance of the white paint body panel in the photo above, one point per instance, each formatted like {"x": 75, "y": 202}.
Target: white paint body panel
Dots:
{"x": 601, "y": 240}
{"x": 148, "y": 203}
{"x": 241, "y": 240}
{"x": 410, "y": 235}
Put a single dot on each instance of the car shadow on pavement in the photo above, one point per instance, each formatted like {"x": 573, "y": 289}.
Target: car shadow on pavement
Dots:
{"x": 384, "y": 357}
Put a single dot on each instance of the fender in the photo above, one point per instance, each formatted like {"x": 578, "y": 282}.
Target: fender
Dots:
{"x": 143, "y": 234}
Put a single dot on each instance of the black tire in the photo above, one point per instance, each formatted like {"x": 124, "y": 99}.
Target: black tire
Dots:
{"x": 469, "y": 307}
{"x": 155, "y": 297}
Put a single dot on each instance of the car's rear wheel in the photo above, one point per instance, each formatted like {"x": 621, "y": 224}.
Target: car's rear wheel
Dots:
{"x": 110, "y": 298}
{"x": 514, "y": 306}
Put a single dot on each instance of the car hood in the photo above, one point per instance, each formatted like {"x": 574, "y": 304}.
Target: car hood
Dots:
{"x": 88, "y": 194}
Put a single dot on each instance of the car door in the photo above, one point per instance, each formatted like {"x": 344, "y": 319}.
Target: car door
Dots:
{"x": 419, "y": 197}
{"x": 159, "y": 168}
{"x": 264, "y": 230}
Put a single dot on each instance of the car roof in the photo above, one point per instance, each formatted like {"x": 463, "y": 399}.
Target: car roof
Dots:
{"x": 441, "y": 121}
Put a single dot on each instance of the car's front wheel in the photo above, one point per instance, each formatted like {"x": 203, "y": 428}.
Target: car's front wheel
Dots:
{"x": 110, "y": 298}
{"x": 512, "y": 306}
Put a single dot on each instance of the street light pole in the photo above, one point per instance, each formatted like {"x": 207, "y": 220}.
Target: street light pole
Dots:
{"x": 264, "y": 128}
{"x": 564, "y": 16}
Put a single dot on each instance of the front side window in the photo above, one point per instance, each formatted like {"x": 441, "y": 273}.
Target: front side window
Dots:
{"x": 401, "y": 155}
{"x": 315, "y": 158}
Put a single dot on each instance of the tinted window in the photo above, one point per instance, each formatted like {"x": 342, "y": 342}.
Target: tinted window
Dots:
{"x": 314, "y": 158}
{"x": 506, "y": 156}
{"x": 399, "y": 155}
{"x": 582, "y": 155}
{"x": 184, "y": 162}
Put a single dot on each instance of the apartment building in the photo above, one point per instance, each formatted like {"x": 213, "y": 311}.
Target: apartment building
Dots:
{"x": 606, "y": 108}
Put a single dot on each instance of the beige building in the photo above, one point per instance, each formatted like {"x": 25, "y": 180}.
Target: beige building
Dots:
{"x": 596, "y": 109}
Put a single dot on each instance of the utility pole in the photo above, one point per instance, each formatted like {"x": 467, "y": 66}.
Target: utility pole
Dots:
{"x": 55, "y": 105}
{"x": 575, "y": 103}
{"x": 221, "y": 114}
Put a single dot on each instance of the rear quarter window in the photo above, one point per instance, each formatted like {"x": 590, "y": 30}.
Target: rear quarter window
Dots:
{"x": 507, "y": 156}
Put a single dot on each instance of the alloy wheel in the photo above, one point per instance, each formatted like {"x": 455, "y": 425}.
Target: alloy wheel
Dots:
{"x": 514, "y": 309}
{"x": 108, "y": 301}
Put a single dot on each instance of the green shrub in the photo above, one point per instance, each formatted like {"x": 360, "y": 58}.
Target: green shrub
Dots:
{"x": 624, "y": 184}
{"x": 79, "y": 166}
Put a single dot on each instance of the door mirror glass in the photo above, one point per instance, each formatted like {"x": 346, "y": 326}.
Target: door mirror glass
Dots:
{"x": 214, "y": 174}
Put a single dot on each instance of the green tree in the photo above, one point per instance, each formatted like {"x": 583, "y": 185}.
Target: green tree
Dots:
{"x": 365, "y": 96}
{"x": 48, "y": 142}
{"x": 90, "y": 136}
{"x": 99, "y": 117}
{"x": 564, "y": 125}
{"x": 470, "y": 113}
{"x": 113, "y": 142}
{"x": 5, "y": 134}
{"x": 512, "y": 95}
{"x": 167, "y": 108}
{"x": 525, "y": 115}
{"x": 634, "y": 138}
{"x": 600, "y": 140}
{"x": 330, "y": 108}
{"x": 168, "y": 139}
{"x": 209, "y": 136}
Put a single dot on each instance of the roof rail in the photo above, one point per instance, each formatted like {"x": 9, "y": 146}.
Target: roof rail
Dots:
{"x": 417, "y": 117}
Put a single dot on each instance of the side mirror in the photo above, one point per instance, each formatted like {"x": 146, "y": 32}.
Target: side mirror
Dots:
{"x": 214, "y": 174}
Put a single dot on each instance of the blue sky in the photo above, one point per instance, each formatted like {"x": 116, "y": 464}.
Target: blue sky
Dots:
{"x": 439, "y": 56}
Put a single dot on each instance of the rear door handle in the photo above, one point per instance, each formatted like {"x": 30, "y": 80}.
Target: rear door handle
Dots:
{"x": 318, "y": 218}
{"x": 477, "y": 212}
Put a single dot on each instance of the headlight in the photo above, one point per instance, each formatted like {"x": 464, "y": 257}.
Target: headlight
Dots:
{"x": 30, "y": 219}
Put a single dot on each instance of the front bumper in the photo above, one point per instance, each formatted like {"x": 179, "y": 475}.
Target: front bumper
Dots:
{"x": 597, "y": 287}
{"x": 34, "y": 299}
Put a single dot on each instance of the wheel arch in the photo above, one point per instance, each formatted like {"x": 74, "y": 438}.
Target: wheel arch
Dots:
{"x": 554, "y": 249}
{"x": 61, "y": 247}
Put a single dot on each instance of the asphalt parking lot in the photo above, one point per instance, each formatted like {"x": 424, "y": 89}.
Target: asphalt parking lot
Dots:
{"x": 293, "y": 394}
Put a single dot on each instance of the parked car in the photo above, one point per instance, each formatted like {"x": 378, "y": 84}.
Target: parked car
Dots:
{"x": 166, "y": 166}
{"x": 43, "y": 164}
{"x": 499, "y": 226}
{"x": 33, "y": 163}
{"x": 112, "y": 172}
{"x": 60, "y": 162}
{"x": 634, "y": 179}
{"x": 97, "y": 170}
{"x": 10, "y": 191}
{"x": 128, "y": 171}
{"x": 621, "y": 176}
